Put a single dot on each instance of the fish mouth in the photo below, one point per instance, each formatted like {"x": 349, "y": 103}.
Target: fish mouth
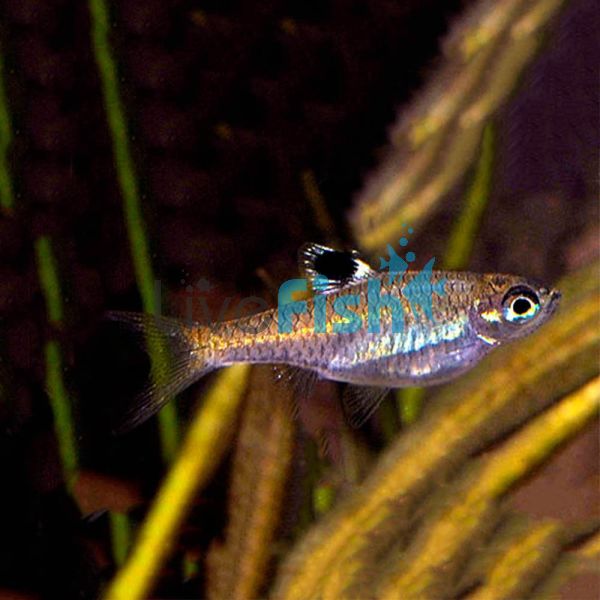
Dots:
{"x": 554, "y": 299}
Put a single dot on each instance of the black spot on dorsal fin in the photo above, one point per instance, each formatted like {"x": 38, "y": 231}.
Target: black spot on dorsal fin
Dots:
{"x": 329, "y": 270}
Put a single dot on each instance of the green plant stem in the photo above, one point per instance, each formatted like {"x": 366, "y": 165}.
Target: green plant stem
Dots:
{"x": 48, "y": 276}
{"x": 120, "y": 530}
{"x": 130, "y": 193}
{"x": 7, "y": 197}
{"x": 409, "y": 404}
{"x": 319, "y": 208}
{"x": 60, "y": 401}
{"x": 62, "y": 411}
{"x": 323, "y": 498}
{"x": 462, "y": 237}
{"x": 459, "y": 250}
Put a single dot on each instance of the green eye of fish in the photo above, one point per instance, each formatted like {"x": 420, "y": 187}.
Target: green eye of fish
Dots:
{"x": 520, "y": 303}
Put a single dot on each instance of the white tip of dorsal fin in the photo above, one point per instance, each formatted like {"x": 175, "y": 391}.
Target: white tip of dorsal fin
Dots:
{"x": 328, "y": 269}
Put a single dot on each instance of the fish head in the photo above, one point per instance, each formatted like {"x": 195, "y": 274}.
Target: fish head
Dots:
{"x": 511, "y": 307}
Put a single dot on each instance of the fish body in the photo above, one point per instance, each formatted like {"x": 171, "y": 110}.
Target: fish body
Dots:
{"x": 362, "y": 327}
{"x": 421, "y": 351}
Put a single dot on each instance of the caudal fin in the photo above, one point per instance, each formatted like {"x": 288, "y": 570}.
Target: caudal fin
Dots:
{"x": 177, "y": 361}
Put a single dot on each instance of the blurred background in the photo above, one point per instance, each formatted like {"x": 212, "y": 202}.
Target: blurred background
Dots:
{"x": 249, "y": 129}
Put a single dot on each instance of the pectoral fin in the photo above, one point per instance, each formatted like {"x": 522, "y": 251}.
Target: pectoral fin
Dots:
{"x": 300, "y": 381}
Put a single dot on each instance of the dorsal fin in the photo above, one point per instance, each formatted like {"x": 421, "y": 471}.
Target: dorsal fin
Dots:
{"x": 328, "y": 270}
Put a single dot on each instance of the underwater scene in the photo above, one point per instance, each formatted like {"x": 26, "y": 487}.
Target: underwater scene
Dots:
{"x": 299, "y": 300}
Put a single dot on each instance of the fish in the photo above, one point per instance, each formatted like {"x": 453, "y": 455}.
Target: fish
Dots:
{"x": 374, "y": 330}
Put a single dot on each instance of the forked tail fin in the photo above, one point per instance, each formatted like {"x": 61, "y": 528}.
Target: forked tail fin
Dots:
{"x": 177, "y": 360}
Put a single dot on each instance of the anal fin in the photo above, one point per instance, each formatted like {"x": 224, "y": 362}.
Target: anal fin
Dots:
{"x": 360, "y": 402}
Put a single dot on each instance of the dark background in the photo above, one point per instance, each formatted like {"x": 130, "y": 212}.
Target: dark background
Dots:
{"x": 228, "y": 104}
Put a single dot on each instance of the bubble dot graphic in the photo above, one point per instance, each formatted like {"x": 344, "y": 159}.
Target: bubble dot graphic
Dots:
{"x": 410, "y": 256}
{"x": 403, "y": 241}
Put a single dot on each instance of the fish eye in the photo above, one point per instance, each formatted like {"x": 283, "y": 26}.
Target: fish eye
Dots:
{"x": 520, "y": 303}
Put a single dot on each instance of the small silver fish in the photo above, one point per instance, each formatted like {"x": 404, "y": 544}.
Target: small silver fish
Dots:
{"x": 364, "y": 327}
